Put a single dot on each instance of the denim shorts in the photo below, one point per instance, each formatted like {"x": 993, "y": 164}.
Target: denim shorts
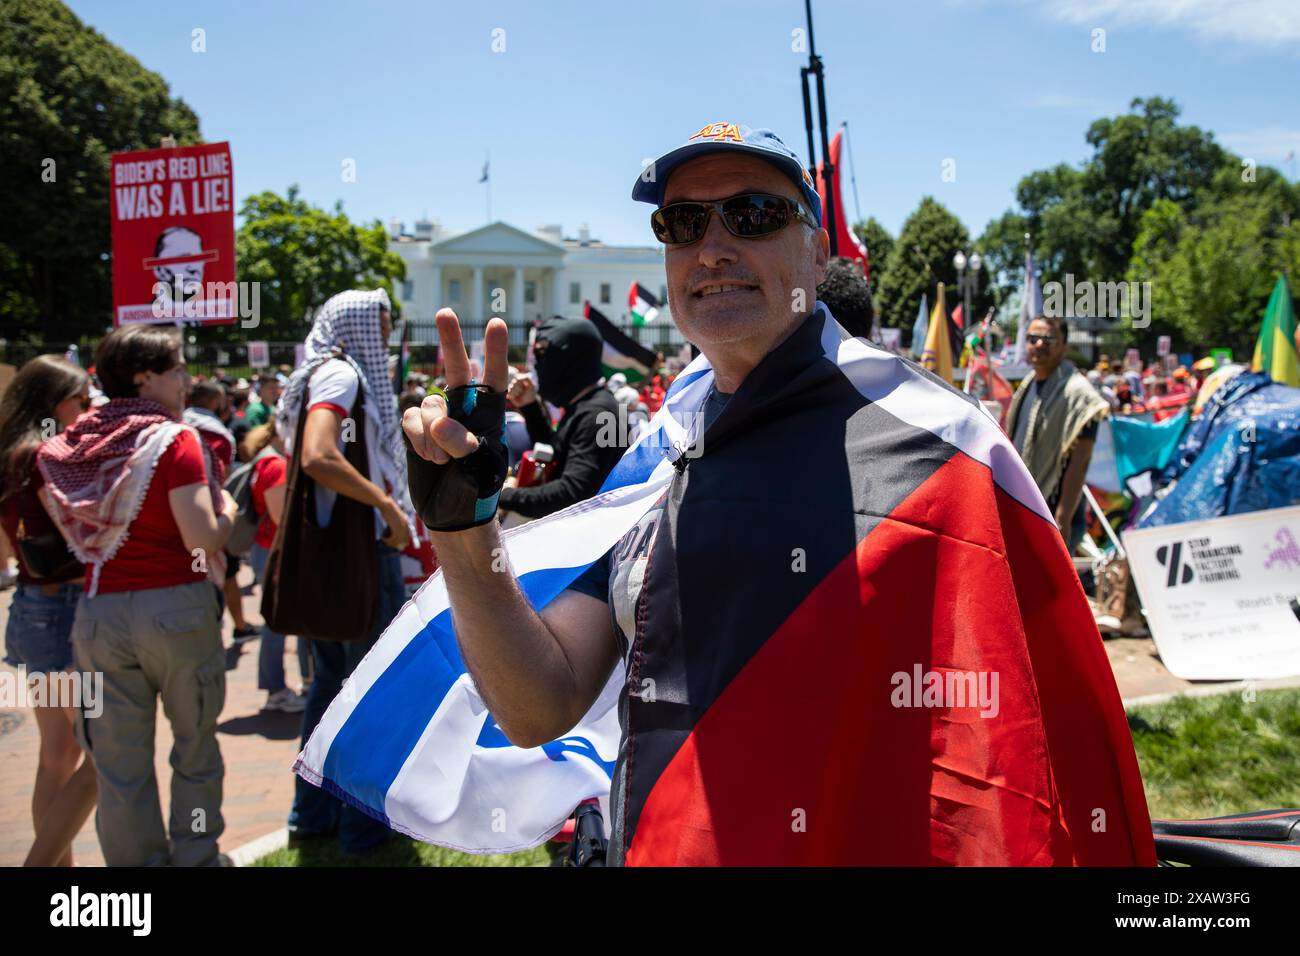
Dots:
{"x": 38, "y": 635}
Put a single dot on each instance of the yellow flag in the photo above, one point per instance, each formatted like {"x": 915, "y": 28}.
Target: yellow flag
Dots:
{"x": 937, "y": 356}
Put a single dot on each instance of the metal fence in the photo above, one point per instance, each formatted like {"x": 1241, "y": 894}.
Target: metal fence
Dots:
{"x": 211, "y": 358}
{"x": 660, "y": 337}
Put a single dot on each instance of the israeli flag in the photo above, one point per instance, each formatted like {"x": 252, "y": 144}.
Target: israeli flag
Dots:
{"x": 410, "y": 741}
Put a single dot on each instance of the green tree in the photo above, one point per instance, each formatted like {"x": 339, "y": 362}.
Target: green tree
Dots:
{"x": 921, "y": 257}
{"x": 879, "y": 243}
{"x": 1138, "y": 158}
{"x": 1054, "y": 213}
{"x": 68, "y": 99}
{"x": 301, "y": 255}
{"x": 1084, "y": 221}
{"x": 1003, "y": 248}
{"x": 1212, "y": 269}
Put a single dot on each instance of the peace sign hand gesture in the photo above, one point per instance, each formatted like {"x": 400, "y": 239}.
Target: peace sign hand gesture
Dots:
{"x": 456, "y": 454}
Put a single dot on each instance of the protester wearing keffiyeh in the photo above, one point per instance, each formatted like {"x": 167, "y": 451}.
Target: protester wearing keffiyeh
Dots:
{"x": 97, "y": 473}
{"x": 347, "y": 327}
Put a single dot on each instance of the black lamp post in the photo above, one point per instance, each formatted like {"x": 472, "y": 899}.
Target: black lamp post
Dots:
{"x": 967, "y": 281}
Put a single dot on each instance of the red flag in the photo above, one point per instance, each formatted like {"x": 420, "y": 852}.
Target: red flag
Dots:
{"x": 849, "y": 246}
{"x": 959, "y": 318}
{"x": 988, "y": 385}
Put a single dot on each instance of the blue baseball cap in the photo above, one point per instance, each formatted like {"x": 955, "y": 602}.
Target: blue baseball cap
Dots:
{"x": 729, "y": 138}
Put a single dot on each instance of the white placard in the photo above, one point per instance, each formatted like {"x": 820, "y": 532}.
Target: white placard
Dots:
{"x": 1163, "y": 344}
{"x": 892, "y": 339}
{"x": 259, "y": 355}
{"x": 1217, "y": 594}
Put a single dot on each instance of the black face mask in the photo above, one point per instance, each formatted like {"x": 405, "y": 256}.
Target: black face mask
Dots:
{"x": 570, "y": 359}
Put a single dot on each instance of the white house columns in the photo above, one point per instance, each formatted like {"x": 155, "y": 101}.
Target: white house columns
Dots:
{"x": 479, "y": 314}
{"x": 461, "y": 271}
{"x": 557, "y": 292}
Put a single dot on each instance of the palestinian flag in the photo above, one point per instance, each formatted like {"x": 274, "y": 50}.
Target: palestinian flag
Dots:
{"x": 642, "y": 303}
{"x": 1275, "y": 352}
{"x": 622, "y": 353}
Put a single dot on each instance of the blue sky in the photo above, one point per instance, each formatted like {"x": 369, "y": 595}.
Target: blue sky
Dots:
{"x": 584, "y": 91}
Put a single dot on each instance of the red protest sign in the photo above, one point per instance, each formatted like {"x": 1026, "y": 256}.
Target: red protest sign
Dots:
{"x": 173, "y": 235}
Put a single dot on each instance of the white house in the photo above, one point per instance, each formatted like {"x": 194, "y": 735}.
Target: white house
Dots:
{"x": 500, "y": 269}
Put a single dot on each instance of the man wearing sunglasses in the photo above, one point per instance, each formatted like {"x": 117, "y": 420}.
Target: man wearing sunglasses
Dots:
{"x": 1053, "y": 421}
{"x": 843, "y": 523}
{"x": 745, "y": 248}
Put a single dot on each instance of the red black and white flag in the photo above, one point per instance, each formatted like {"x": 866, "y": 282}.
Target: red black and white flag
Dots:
{"x": 867, "y": 641}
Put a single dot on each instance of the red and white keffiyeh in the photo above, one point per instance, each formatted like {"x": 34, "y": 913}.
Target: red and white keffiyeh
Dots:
{"x": 97, "y": 474}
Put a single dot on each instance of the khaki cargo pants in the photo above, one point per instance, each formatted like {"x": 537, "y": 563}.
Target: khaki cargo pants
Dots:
{"x": 163, "y": 641}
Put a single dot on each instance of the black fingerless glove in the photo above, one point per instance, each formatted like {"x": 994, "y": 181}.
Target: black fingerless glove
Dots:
{"x": 463, "y": 493}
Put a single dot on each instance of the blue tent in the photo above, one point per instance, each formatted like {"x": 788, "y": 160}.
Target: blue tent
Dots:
{"x": 1242, "y": 454}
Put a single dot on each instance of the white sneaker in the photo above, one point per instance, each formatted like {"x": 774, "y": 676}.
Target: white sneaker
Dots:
{"x": 285, "y": 701}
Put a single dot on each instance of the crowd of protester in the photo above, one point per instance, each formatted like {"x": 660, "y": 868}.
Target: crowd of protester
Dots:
{"x": 132, "y": 495}
{"x": 123, "y": 491}
{"x": 1153, "y": 387}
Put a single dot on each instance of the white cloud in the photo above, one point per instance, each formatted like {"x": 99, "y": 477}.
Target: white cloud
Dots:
{"x": 1268, "y": 144}
{"x": 1263, "y": 22}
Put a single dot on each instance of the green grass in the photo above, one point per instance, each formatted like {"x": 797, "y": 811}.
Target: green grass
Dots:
{"x": 1212, "y": 756}
{"x": 1200, "y": 757}
{"x": 401, "y": 851}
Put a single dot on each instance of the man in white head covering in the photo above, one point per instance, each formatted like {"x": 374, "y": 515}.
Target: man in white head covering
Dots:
{"x": 347, "y": 350}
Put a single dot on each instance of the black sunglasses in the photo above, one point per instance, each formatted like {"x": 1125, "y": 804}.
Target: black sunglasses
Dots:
{"x": 1036, "y": 339}
{"x": 747, "y": 216}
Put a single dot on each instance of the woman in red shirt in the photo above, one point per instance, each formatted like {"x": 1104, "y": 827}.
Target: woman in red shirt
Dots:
{"x": 134, "y": 493}
{"x": 262, "y": 447}
{"x": 48, "y": 389}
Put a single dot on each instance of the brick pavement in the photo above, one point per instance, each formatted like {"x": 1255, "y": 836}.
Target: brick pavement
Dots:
{"x": 258, "y": 749}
